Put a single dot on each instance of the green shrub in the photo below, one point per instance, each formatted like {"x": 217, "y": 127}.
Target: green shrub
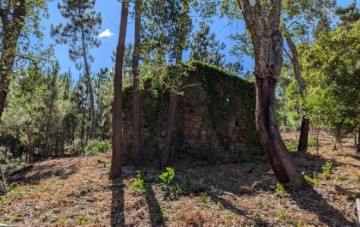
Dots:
{"x": 138, "y": 184}
{"x": 281, "y": 189}
{"x": 314, "y": 181}
{"x": 291, "y": 145}
{"x": 312, "y": 142}
{"x": 95, "y": 147}
{"x": 171, "y": 188}
{"x": 325, "y": 174}
{"x": 83, "y": 219}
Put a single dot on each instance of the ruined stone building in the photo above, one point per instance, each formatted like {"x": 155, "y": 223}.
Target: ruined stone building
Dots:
{"x": 215, "y": 116}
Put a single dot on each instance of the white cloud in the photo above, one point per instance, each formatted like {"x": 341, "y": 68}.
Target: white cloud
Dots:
{"x": 106, "y": 33}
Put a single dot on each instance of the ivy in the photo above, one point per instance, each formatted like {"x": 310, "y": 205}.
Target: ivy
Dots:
{"x": 225, "y": 95}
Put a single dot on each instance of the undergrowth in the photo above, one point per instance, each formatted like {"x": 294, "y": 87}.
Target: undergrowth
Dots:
{"x": 172, "y": 188}
{"x": 95, "y": 147}
{"x": 324, "y": 175}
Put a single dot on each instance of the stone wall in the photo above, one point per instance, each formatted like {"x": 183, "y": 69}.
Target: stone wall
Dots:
{"x": 215, "y": 116}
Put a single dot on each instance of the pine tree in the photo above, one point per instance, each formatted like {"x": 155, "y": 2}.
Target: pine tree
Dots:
{"x": 81, "y": 35}
{"x": 204, "y": 47}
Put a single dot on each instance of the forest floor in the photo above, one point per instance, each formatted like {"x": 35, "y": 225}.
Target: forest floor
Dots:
{"x": 77, "y": 191}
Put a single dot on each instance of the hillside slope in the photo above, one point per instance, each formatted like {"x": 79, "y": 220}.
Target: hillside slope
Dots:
{"x": 76, "y": 191}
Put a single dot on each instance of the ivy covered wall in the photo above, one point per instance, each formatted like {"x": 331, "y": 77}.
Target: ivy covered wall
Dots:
{"x": 215, "y": 117}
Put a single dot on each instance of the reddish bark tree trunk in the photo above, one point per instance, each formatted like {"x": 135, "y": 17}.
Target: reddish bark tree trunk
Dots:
{"x": 117, "y": 144}
{"x": 281, "y": 161}
{"x": 136, "y": 105}
{"x": 263, "y": 20}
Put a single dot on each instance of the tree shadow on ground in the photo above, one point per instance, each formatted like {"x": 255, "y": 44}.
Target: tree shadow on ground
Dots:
{"x": 311, "y": 164}
{"x": 34, "y": 176}
{"x": 354, "y": 156}
{"x": 237, "y": 211}
{"x": 228, "y": 179}
{"x": 156, "y": 217}
{"x": 117, "y": 205}
{"x": 311, "y": 201}
{"x": 258, "y": 177}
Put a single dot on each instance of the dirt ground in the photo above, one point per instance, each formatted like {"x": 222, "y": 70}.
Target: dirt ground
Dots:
{"x": 77, "y": 191}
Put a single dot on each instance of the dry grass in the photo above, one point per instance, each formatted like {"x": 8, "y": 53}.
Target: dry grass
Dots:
{"x": 76, "y": 191}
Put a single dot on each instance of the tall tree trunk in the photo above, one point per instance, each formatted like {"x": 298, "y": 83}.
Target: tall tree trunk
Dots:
{"x": 305, "y": 121}
{"x": 82, "y": 131}
{"x": 136, "y": 104}
{"x": 49, "y": 123}
{"x": 89, "y": 87}
{"x": 181, "y": 39}
{"x": 11, "y": 29}
{"x": 263, "y": 20}
{"x": 169, "y": 128}
{"x": 117, "y": 143}
{"x": 304, "y": 134}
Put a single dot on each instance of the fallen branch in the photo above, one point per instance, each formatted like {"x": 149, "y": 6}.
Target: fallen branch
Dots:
{"x": 343, "y": 190}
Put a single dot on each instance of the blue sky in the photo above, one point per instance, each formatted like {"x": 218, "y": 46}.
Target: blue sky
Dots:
{"x": 110, "y": 11}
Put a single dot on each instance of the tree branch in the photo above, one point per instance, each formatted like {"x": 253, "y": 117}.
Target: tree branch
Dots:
{"x": 247, "y": 12}
{"x": 295, "y": 62}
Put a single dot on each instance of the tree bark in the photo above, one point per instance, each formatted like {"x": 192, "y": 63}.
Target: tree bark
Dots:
{"x": 136, "y": 105}
{"x": 11, "y": 29}
{"x": 117, "y": 143}
{"x": 262, "y": 20}
{"x": 304, "y": 134}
